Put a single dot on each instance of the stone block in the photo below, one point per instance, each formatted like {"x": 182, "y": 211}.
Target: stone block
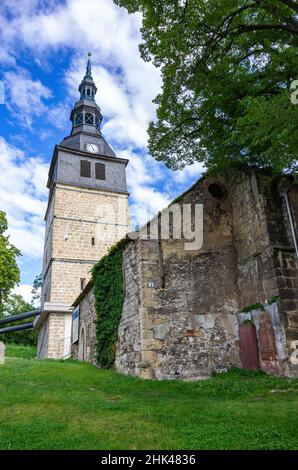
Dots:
{"x": 2, "y": 352}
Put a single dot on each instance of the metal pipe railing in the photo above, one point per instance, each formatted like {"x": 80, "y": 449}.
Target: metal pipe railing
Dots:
{"x": 9, "y": 329}
{"x": 20, "y": 316}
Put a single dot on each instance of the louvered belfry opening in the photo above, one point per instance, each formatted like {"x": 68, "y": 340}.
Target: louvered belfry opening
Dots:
{"x": 100, "y": 171}
{"x": 85, "y": 169}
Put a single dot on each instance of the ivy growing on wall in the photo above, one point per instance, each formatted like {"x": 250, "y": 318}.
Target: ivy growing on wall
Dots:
{"x": 108, "y": 290}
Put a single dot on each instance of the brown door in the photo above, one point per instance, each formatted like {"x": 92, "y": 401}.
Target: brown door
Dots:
{"x": 267, "y": 345}
{"x": 249, "y": 351}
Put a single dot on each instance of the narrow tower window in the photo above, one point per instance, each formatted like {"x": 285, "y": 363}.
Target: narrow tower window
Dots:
{"x": 100, "y": 171}
{"x": 92, "y": 241}
{"x": 83, "y": 283}
{"x": 85, "y": 169}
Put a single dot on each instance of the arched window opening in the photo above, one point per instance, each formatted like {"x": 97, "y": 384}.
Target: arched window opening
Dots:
{"x": 217, "y": 190}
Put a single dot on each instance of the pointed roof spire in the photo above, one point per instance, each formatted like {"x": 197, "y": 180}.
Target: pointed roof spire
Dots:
{"x": 88, "y": 68}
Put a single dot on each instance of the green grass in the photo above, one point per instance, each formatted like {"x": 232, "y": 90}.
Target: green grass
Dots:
{"x": 72, "y": 405}
{"x": 17, "y": 350}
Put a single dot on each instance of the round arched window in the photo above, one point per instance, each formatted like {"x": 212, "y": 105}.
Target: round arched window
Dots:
{"x": 217, "y": 190}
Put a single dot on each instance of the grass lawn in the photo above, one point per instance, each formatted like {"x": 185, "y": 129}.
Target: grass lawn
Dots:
{"x": 72, "y": 405}
{"x": 17, "y": 350}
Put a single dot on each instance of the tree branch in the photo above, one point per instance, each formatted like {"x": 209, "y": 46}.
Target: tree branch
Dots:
{"x": 278, "y": 13}
{"x": 290, "y": 4}
{"x": 261, "y": 27}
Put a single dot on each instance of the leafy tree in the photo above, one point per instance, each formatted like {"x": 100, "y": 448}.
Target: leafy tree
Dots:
{"x": 9, "y": 270}
{"x": 16, "y": 304}
{"x": 36, "y": 290}
{"x": 227, "y": 68}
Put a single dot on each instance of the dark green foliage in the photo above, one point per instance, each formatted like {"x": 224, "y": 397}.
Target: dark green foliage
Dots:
{"x": 14, "y": 305}
{"x": 274, "y": 299}
{"x": 228, "y": 70}
{"x": 9, "y": 270}
{"x": 251, "y": 307}
{"x": 108, "y": 291}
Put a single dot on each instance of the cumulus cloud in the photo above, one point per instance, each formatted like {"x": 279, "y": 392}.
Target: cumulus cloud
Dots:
{"x": 25, "y": 291}
{"x": 126, "y": 83}
{"x": 25, "y": 97}
{"x": 152, "y": 186}
{"x": 126, "y": 87}
{"x": 23, "y": 197}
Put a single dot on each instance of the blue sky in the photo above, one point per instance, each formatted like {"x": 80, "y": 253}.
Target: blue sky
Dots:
{"x": 43, "y": 55}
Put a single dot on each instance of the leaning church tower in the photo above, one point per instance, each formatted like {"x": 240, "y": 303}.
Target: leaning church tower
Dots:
{"x": 87, "y": 213}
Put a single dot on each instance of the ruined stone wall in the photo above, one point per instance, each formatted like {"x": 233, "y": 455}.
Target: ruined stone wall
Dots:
{"x": 128, "y": 354}
{"x": 188, "y": 328}
{"x": 287, "y": 275}
{"x": 255, "y": 270}
{"x": 85, "y": 348}
{"x": 271, "y": 339}
{"x": 266, "y": 260}
{"x": 181, "y": 317}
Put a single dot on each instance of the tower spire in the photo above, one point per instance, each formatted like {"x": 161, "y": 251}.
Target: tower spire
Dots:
{"x": 88, "y": 67}
{"x": 86, "y": 115}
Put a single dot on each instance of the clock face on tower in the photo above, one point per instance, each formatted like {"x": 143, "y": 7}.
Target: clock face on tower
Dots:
{"x": 92, "y": 148}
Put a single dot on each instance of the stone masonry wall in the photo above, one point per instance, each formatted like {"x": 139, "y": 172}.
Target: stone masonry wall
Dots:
{"x": 51, "y": 337}
{"x": 266, "y": 259}
{"x": 66, "y": 280}
{"x": 86, "y": 349}
{"x": 81, "y": 225}
{"x": 43, "y": 340}
{"x": 128, "y": 353}
{"x": 181, "y": 317}
{"x": 190, "y": 327}
{"x": 78, "y": 216}
{"x": 56, "y": 339}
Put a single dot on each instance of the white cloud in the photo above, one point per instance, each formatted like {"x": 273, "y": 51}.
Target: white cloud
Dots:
{"x": 152, "y": 185}
{"x": 126, "y": 86}
{"x": 25, "y": 291}
{"x": 189, "y": 173}
{"x": 126, "y": 83}
{"x": 23, "y": 197}
{"x": 25, "y": 96}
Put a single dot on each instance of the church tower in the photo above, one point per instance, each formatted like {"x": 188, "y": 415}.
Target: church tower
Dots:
{"x": 87, "y": 213}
